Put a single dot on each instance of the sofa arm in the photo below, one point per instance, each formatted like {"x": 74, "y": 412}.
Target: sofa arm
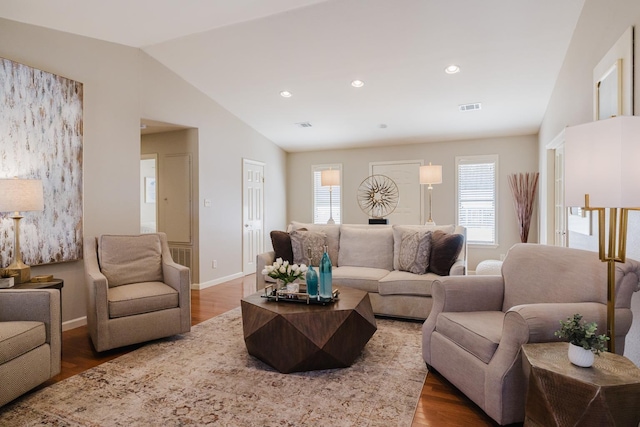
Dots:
{"x": 459, "y": 268}
{"x": 262, "y": 260}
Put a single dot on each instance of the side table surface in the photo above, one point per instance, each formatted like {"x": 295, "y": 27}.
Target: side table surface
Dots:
{"x": 562, "y": 394}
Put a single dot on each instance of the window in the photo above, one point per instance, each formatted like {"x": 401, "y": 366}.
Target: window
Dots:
{"x": 476, "y": 197}
{"x": 323, "y": 198}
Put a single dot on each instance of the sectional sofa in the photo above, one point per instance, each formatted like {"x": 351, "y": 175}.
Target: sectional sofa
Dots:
{"x": 396, "y": 264}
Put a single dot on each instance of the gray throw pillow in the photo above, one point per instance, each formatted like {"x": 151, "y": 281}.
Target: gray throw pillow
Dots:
{"x": 445, "y": 249}
{"x": 415, "y": 249}
{"x": 301, "y": 241}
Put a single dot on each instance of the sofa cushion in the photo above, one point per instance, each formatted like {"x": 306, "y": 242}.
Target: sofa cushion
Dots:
{"x": 445, "y": 248}
{"x": 130, "y": 259}
{"x": 415, "y": 249}
{"x": 363, "y": 278}
{"x": 399, "y": 230}
{"x": 138, "y": 298}
{"x": 366, "y": 247}
{"x": 477, "y": 332}
{"x": 302, "y": 241}
{"x": 405, "y": 283}
{"x": 333, "y": 236}
{"x": 18, "y": 338}
{"x": 281, "y": 242}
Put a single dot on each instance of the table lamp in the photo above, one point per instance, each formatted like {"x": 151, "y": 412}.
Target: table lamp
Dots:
{"x": 429, "y": 175}
{"x": 20, "y": 195}
{"x": 330, "y": 178}
{"x": 601, "y": 172}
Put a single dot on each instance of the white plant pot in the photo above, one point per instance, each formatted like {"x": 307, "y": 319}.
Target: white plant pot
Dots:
{"x": 6, "y": 282}
{"x": 580, "y": 356}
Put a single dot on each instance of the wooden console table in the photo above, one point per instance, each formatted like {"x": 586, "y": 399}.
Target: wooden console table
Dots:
{"x": 562, "y": 394}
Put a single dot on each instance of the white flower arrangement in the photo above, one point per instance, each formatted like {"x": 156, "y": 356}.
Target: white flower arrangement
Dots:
{"x": 284, "y": 271}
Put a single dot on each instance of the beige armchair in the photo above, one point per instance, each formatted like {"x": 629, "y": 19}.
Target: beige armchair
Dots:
{"x": 135, "y": 292}
{"x": 474, "y": 333}
{"x": 30, "y": 341}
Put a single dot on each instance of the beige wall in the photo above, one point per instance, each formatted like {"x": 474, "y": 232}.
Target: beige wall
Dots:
{"x": 121, "y": 85}
{"x": 516, "y": 154}
{"x": 599, "y": 27}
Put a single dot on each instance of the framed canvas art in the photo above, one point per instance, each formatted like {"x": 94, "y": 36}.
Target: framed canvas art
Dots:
{"x": 41, "y": 138}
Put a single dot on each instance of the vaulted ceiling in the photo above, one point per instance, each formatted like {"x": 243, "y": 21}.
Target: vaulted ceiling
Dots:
{"x": 244, "y": 53}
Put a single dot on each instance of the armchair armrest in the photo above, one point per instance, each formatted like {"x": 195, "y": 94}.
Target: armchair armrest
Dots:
{"x": 461, "y": 293}
{"x": 262, "y": 260}
{"x": 39, "y": 305}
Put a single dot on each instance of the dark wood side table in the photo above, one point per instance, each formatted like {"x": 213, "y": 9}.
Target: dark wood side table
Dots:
{"x": 562, "y": 394}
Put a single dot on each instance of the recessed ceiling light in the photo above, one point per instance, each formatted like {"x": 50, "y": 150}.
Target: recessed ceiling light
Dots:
{"x": 285, "y": 94}
{"x": 357, "y": 83}
{"x": 452, "y": 69}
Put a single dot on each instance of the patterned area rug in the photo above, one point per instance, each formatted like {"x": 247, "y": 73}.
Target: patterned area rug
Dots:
{"x": 206, "y": 377}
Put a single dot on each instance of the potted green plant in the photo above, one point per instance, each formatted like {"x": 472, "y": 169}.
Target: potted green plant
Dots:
{"x": 583, "y": 340}
{"x": 6, "y": 278}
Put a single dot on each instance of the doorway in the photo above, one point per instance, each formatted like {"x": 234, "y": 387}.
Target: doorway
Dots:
{"x": 148, "y": 192}
{"x": 252, "y": 213}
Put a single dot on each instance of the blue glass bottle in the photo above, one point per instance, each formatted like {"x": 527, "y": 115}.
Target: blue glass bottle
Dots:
{"x": 325, "y": 277}
{"x": 312, "y": 280}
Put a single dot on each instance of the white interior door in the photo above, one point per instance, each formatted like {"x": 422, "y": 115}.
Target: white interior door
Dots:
{"x": 175, "y": 197}
{"x": 406, "y": 175}
{"x": 252, "y": 213}
{"x": 560, "y": 211}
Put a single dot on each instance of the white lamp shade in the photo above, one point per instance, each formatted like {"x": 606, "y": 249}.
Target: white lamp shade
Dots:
{"x": 20, "y": 195}
{"x": 431, "y": 174}
{"x": 601, "y": 160}
{"x": 330, "y": 177}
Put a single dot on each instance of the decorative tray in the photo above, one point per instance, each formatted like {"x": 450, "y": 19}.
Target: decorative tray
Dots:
{"x": 283, "y": 295}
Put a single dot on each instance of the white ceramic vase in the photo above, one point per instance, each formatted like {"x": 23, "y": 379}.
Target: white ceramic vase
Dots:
{"x": 580, "y": 356}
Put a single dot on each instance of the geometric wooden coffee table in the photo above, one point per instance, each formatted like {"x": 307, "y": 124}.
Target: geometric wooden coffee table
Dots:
{"x": 562, "y": 394}
{"x": 293, "y": 337}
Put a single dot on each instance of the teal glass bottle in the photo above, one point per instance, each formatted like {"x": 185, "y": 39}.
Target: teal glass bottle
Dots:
{"x": 312, "y": 280}
{"x": 325, "y": 277}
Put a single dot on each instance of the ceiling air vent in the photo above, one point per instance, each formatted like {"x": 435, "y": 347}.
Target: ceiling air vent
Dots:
{"x": 470, "y": 107}
{"x": 303, "y": 125}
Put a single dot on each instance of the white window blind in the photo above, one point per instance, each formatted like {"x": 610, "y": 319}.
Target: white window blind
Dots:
{"x": 476, "y": 196}
{"x": 321, "y": 196}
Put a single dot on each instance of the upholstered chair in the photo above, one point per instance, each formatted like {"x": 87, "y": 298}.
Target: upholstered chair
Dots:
{"x": 478, "y": 324}
{"x": 30, "y": 340}
{"x": 135, "y": 292}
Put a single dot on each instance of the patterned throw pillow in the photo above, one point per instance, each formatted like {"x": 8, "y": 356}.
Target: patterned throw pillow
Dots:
{"x": 301, "y": 241}
{"x": 445, "y": 249}
{"x": 415, "y": 249}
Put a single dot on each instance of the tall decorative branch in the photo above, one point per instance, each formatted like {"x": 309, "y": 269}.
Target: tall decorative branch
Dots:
{"x": 523, "y": 187}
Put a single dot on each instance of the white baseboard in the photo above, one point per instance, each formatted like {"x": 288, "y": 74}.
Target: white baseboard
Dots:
{"x": 74, "y": 323}
{"x": 200, "y": 286}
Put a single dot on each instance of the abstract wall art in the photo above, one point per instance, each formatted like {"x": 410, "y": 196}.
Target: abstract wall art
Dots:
{"x": 41, "y": 138}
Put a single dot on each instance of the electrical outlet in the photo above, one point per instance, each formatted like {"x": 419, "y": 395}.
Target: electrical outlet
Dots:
{"x": 214, "y": 263}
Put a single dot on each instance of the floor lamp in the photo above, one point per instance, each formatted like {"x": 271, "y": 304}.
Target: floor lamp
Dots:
{"x": 601, "y": 173}
{"x": 20, "y": 195}
{"x": 429, "y": 175}
{"x": 330, "y": 178}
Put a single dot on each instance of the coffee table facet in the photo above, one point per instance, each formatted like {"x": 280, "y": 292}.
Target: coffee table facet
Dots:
{"x": 298, "y": 337}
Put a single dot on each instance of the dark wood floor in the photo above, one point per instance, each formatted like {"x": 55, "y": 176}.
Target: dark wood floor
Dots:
{"x": 440, "y": 403}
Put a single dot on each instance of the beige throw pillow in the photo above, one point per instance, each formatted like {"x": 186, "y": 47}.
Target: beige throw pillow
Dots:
{"x": 415, "y": 249}
{"x": 301, "y": 241}
{"x": 130, "y": 259}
